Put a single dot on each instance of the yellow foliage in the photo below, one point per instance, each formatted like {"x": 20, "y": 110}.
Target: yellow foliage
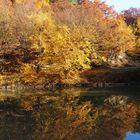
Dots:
{"x": 125, "y": 36}
{"x": 41, "y": 3}
{"x": 64, "y": 48}
{"x": 138, "y": 32}
{"x": 20, "y": 1}
{"x": 115, "y": 35}
{"x": 66, "y": 51}
{"x": 28, "y": 74}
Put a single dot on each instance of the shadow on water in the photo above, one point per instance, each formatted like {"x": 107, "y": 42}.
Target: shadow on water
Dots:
{"x": 71, "y": 114}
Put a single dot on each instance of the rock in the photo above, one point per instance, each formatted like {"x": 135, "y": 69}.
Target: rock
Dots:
{"x": 118, "y": 60}
{"x": 39, "y": 86}
{"x": 117, "y": 101}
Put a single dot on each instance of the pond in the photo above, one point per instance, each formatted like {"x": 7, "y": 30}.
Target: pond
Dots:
{"x": 70, "y": 114}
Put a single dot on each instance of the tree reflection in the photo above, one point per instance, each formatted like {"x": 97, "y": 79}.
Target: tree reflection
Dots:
{"x": 66, "y": 116}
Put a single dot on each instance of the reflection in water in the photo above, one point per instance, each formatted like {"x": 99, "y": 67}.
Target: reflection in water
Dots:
{"x": 132, "y": 136}
{"x": 69, "y": 114}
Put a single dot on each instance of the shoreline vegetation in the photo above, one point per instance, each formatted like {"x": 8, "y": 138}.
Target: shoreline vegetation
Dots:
{"x": 55, "y": 44}
{"x": 97, "y": 78}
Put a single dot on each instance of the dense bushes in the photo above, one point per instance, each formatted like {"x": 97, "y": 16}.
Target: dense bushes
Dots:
{"x": 51, "y": 43}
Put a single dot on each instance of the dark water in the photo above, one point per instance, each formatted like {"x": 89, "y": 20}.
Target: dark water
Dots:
{"x": 71, "y": 114}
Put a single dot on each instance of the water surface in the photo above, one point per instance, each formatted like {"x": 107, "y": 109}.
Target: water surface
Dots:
{"x": 70, "y": 114}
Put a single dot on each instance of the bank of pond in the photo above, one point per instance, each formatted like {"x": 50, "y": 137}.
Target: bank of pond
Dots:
{"x": 100, "y": 77}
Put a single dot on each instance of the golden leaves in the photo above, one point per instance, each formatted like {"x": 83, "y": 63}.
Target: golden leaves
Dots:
{"x": 41, "y": 3}
{"x": 28, "y": 74}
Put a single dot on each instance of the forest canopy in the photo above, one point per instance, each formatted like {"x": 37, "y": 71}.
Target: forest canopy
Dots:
{"x": 54, "y": 41}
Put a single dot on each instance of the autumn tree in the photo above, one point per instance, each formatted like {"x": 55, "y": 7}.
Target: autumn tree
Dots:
{"x": 62, "y": 54}
{"x": 108, "y": 31}
{"x": 16, "y": 28}
{"x": 53, "y": 43}
{"x": 132, "y": 18}
{"x": 131, "y": 15}
{"x": 8, "y": 41}
{"x": 71, "y": 37}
